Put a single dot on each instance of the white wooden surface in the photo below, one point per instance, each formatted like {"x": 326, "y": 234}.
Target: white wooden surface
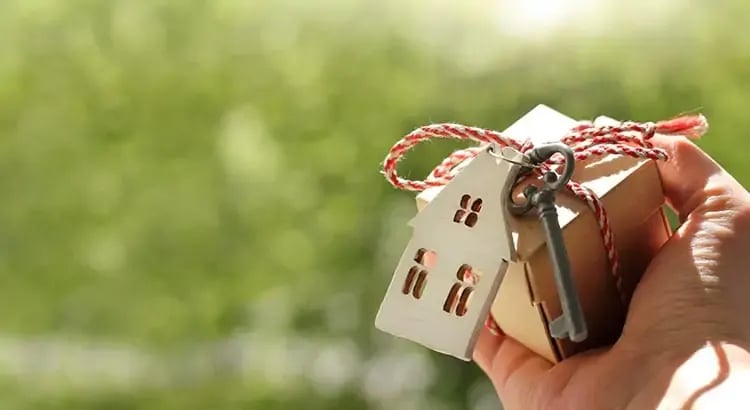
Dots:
{"x": 487, "y": 246}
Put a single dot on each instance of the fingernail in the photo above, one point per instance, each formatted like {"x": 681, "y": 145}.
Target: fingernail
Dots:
{"x": 492, "y": 326}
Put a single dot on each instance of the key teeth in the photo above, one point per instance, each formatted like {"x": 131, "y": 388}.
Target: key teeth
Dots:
{"x": 580, "y": 336}
{"x": 559, "y": 329}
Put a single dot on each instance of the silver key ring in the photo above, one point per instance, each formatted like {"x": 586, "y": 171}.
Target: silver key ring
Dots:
{"x": 552, "y": 181}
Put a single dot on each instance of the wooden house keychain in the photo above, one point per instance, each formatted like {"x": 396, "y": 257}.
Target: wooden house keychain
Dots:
{"x": 448, "y": 276}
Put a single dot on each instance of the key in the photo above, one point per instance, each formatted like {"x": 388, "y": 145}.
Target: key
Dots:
{"x": 571, "y": 323}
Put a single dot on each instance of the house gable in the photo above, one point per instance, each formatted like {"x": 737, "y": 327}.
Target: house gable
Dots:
{"x": 472, "y": 209}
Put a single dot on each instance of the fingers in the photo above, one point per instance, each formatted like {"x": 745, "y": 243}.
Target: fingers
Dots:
{"x": 691, "y": 177}
{"x": 514, "y": 370}
{"x": 486, "y": 349}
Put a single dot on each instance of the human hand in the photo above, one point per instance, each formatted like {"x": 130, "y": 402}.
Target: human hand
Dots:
{"x": 686, "y": 339}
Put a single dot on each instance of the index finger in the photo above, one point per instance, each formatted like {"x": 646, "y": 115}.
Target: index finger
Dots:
{"x": 690, "y": 177}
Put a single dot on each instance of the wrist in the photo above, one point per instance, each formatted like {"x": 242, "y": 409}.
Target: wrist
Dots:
{"x": 716, "y": 376}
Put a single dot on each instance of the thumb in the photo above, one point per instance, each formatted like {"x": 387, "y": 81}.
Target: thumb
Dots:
{"x": 691, "y": 178}
{"x": 515, "y": 371}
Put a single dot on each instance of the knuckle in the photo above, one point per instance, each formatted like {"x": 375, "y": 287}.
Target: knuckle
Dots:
{"x": 683, "y": 150}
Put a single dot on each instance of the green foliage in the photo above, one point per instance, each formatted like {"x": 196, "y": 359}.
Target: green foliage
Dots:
{"x": 193, "y": 215}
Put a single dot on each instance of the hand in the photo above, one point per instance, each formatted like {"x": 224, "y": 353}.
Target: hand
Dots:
{"x": 687, "y": 333}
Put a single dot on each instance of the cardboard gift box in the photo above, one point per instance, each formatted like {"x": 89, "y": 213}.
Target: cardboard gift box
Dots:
{"x": 632, "y": 195}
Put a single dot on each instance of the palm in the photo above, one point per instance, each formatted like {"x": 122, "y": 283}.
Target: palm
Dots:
{"x": 530, "y": 382}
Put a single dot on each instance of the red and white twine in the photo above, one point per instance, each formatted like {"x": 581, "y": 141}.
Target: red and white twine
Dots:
{"x": 586, "y": 140}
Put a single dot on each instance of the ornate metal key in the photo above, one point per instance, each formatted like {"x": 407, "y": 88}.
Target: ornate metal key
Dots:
{"x": 571, "y": 323}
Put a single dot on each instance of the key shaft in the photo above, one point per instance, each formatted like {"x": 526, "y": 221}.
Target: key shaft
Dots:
{"x": 572, "y": 323}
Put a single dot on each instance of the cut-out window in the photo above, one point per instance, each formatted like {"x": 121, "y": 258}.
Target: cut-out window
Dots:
{"x": 450, "y": 301}
{"x": 463, "y": 301}
{"x": 459, "y": 295}
{"x": 409, "y": 282}
{"x": 468, "y": 275}
{"x": 477, "y": 205}
{"x": 468, "y": 212}
{"x": 416, "y": 278}
{"x": 465, "y": 201}
{"x": 419, "y": 286}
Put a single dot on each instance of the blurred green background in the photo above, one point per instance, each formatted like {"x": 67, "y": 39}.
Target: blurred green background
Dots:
{"x": 192, "y": 213}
